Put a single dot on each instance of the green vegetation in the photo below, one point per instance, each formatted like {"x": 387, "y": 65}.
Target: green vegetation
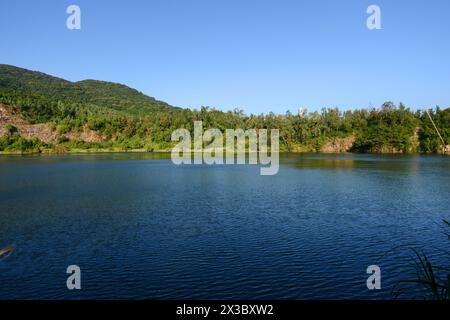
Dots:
{"x": 12, "y": 141}
{"x": 389, "y": 128}
{"x": 129, "y": 120}
{"x": 434, "y": 280}
{"x": 16, "y": 143}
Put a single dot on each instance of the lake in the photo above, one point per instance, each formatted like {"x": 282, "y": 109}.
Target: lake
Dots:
{"x": 141, "y": 227}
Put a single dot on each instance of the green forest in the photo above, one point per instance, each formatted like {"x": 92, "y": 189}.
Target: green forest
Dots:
{"x": 126, "y": 119}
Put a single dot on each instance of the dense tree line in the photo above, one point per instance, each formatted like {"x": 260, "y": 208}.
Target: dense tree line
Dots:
{"x": 130, "y": 120}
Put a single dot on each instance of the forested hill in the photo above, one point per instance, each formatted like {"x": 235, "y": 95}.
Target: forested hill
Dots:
{"x": 41, "y": 113}
{"x": 99, "y": 93}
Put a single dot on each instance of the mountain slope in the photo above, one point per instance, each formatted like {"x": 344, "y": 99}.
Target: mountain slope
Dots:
{"x": 99, "y": 93}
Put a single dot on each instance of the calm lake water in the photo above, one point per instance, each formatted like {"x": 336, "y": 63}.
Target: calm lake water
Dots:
{"x": 140, "y": 227}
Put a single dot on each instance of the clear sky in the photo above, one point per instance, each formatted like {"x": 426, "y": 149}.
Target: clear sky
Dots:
{"x": 256, "y": 55}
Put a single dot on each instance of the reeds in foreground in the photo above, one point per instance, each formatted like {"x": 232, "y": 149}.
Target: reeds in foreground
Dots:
{"x": 433, "y": 279}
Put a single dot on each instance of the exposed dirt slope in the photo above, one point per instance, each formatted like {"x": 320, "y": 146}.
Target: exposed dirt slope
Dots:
{"x": 41, "y": 131}
{"x": 338, "y": 145}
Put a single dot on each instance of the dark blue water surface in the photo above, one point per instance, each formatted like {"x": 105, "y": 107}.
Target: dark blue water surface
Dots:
{"x": 140, "y": 227}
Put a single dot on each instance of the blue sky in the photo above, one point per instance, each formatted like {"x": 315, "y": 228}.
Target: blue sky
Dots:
{"x": 256, "y": 55}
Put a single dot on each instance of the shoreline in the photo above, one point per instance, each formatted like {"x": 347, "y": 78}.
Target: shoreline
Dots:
{"x": 51, "y": 152}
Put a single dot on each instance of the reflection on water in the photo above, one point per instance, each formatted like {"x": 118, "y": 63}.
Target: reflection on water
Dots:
{"x": 396, "y": 163}
{"x": 141, "y": 227}
{"x": 90, "y": 157}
